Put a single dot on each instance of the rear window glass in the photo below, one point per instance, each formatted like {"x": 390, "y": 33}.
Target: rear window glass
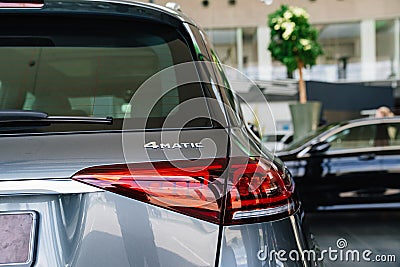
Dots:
{"x": 92, "y": 67}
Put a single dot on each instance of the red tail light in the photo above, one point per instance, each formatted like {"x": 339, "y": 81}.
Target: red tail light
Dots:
{"x": 196, "y": 188}
{"x": 193, "y": 189}
{"x": 21, "y": 3}
{"x": 258, "y": 189}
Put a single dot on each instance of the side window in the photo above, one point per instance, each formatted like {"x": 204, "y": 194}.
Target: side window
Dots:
{"x": 356, "y": 137}
{"x": 223, "y": 80}
{"x": 217, "y": 75}
{"x": 393, "y": 132}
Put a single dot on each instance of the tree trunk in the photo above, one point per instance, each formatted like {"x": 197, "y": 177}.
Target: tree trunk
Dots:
{"x": 302, "y": 84}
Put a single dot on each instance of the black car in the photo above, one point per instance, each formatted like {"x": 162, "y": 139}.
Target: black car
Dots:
{"x": 349, "y": 165}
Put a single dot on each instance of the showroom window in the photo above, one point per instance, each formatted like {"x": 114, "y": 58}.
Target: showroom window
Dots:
{"x": 343, "y": 59}
{"x": 250, "y": 55}
{"x": 225, "y": 43}
{"x": 341, "y": 43}
{"x": 385, "y": 48}
{"x": 237, "y": 48}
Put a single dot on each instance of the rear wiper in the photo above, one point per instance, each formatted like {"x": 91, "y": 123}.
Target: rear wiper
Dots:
{"x": 27, "y": 118}
{"x": 9, "y": 115}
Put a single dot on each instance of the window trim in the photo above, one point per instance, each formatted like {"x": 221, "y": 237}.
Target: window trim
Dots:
{"x": 366, "y": 149}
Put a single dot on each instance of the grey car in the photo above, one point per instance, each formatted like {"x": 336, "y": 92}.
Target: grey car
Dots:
{"x": 103, "y": 162}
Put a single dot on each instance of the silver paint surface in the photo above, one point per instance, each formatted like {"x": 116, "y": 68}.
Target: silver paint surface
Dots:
{"x": 61, "y": 156}
{"x": 104, "y": 229}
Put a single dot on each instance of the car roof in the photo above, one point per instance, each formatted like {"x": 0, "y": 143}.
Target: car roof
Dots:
{"x": 356, "y": 122}
{"x": 350, "y": 123}
{"x": 149, "y": 10}
{"x": 370, "y": 120}
{"x": 178, "y": 14}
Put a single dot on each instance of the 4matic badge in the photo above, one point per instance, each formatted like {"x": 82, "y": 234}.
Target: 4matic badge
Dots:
{"x": 154, "y": 145}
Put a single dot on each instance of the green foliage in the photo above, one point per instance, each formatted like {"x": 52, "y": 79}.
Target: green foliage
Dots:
{"x": 294, "y": 42}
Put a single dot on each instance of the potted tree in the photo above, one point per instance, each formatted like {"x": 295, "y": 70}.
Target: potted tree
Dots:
{"x": 294, "y": 43}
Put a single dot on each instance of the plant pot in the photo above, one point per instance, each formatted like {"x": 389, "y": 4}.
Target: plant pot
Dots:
{"x": 305, "y": 118}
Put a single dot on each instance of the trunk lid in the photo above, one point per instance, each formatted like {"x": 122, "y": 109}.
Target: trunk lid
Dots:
{"x": 47, "y": 156}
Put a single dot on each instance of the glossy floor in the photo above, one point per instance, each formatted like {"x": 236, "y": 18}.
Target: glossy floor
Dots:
{"x": 377, "y": 231}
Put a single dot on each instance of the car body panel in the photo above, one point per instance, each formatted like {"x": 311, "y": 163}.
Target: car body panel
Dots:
{"x": 46, "y": 156}
{"x": 252, "y": 244}
{"x": 104, "y": 229}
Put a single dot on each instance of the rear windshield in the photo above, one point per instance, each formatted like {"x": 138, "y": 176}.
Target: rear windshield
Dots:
{"x": 87, "y": 66}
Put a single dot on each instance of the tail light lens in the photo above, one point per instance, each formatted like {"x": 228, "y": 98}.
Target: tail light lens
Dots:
{"x": 21, "y": 3}
{"x": 258, "y": 189}
{"x": 191, "y": 188}
{"x": 255, "y": 190}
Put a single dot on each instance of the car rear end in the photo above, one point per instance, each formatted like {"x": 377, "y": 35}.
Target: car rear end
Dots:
{"x": 171, "y": 185}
